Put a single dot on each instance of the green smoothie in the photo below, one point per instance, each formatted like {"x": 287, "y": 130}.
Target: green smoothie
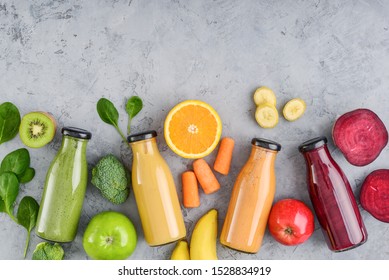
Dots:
{"x": 64, "y": 190}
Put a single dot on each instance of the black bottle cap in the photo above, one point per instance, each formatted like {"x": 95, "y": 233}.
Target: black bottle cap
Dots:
{"x": 142, "y": 136}
{"x": 267, "y": 144}
{"x": 76, "y": 132}
{"x": 313, "y": 144}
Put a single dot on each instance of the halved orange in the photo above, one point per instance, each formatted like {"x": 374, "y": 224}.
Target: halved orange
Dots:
{"x": 192, "y": 129}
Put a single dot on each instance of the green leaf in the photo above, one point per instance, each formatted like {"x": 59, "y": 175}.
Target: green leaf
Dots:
{"x": 48, "y": 251}
{"x": 134, "y": 106}
{"x": 28, "y": 212}
{"x": 107, "y": 112}
{"x": 2, "y": 206}
{"x": 27, "y": 176}
{"x": 9, "y": 189}
{"x": 9, "y": 121}
{"x": 17, "y": 162}
{"x": 27, "y": 215}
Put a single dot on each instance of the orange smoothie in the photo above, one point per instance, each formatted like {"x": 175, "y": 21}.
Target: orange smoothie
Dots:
{"x": 251, "y": 199}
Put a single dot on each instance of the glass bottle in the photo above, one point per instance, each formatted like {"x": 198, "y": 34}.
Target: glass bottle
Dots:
{"x": 64, "y": 189}
{"x": 155, "y": 192}
{"x": 332, "y": 198}
{"x": 251, "y": 199}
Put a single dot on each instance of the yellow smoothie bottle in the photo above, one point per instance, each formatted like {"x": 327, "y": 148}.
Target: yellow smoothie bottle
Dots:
{"x": 251, "y": 199}
{"x": 155, "y": 192}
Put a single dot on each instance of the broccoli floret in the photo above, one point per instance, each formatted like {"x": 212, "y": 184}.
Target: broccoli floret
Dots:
{"x": 48, "y": 251}
{"x": 111, "y": 178}
{"x": 114, "y": 195}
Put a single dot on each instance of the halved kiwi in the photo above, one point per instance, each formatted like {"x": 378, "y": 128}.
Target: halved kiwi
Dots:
{"x": 37, "y": 129}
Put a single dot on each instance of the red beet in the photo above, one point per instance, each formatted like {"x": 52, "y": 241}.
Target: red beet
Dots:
{"x": 375, "y": 194}
{"x": 360, "y": 135}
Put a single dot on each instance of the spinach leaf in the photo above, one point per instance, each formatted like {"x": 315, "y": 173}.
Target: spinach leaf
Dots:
{"x": 133, "y": 107}
{"x": 9, "y": 189}
{"x": 14, "y": 169}
{"x": 48, "y": 251}
{"x": 9, "y": 121}
{"x": 17, "y": 162}
{"x": 28, "y": 212}
{"x": 27, "y": 215}
{"x": 2, "y": 206}
{"x": 27, "y": 176}
{"x": 109, "y": 114}
{"x": 107, "y": 111}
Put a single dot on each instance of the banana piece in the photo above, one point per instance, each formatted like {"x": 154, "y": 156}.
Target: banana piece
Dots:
{"x": 266, "y": 115}
{"x": 294, "y": 109}
{"x": 203, "y": 241}
{"x": 181, "y": 251}
{"x": 264, "y": 95}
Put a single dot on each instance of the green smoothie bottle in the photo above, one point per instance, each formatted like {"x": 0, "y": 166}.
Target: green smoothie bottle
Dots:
{"x": 64, "y": 190}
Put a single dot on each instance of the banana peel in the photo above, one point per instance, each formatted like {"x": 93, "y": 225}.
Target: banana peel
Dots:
{"x": 181, "y": 251}
{"x": 203, "y": 241}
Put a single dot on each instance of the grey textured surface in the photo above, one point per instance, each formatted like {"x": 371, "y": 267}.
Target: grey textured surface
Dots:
{"x": 62, "y": 56}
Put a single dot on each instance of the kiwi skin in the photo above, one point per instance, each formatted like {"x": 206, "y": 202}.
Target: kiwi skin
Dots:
{"x": 46, "y": 119}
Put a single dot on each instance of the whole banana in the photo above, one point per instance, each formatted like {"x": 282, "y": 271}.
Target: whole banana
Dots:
{"x": 181, "y": 251}
{"x": 203, "y": 241}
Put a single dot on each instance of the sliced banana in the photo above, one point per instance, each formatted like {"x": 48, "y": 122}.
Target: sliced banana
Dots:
{"x": 266, "y": 115}
{"x": 264, "y": 95}
{"x": 294, "y": 109}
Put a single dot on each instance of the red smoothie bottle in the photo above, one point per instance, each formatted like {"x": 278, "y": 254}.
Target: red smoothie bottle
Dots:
{"x": 332, "y": 198}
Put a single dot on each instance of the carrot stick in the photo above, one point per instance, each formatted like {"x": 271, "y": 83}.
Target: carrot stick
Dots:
{"x": 205, "y": 176}
{"x": 224, "y": 155}
{"x": 190, "y": 190}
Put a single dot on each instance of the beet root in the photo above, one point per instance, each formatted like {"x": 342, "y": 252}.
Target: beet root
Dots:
{"x": 374, "y": 194}
{"x": 360, "y": 135}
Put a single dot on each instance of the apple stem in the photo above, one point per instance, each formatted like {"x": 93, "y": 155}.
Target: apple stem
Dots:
{"x": 109, "y": 240}
{"x": 288, "y": 231}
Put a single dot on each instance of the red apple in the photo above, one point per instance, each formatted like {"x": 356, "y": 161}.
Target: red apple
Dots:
{"x": 291, "y": 222}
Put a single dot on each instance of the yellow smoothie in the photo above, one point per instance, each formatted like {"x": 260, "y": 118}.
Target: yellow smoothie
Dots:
{"x": 155, "y": 193}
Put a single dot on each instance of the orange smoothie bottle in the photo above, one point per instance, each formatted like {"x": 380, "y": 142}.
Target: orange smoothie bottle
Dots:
{"x": 155, "y": 192}
{"x": 251, "y": 199}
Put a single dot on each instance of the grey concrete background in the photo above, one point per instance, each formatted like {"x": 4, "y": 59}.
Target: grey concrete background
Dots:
{"x": 62, "y": 56}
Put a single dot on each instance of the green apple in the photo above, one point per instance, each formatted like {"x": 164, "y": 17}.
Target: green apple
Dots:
{"x": 109, "y": 236}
